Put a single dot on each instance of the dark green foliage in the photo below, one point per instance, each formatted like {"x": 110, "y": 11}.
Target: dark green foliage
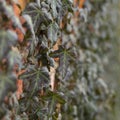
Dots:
{"x": 82, "y": 93}
{"x": 7, "y": 77}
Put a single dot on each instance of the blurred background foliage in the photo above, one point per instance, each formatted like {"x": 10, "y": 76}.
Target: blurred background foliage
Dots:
{"x": 113, "y": 70}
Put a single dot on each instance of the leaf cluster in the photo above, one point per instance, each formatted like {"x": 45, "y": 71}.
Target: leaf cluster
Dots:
{"x": 80, "y": 90}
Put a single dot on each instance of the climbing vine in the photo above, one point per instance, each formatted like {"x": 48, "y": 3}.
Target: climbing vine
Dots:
{"x": 52, "y": 56}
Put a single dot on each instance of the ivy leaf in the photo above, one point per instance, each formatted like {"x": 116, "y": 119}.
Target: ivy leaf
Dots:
{"x": 8, "y": 11}
{"x": 7, "y": 84}
{"x": 30, "y": 24}
{"x": 53, "y": 4}
{"x": 58, "y": 97}
{"x": 38, "y": 15}
{"x": 84, "y": 14}
{"x": 64, "y": 63}
{"x": 7, "y": 40}
{"x": 52, "y": 32}
{"x": 67, "y": 5}
{"x": 33, "y": 38}
{"x": 14, "y": 58}
{"x": 38, "y": 78}
{"x": 65, "y": 55}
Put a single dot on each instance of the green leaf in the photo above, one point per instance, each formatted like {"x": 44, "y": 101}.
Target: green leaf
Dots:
{"x": 38, "y": 78}
{"x": 7, "y": 84}
{"x": 7, "y": 40}
{"x": 58, "y": 97}
{"x": 52, "y": 32}
{"x": 30, "y": 23}
{"x": 9, "y": 12}
{"x": 14, "y": 57}
{"x": 53, "y": 4}
{"x": 65, "y": 55}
